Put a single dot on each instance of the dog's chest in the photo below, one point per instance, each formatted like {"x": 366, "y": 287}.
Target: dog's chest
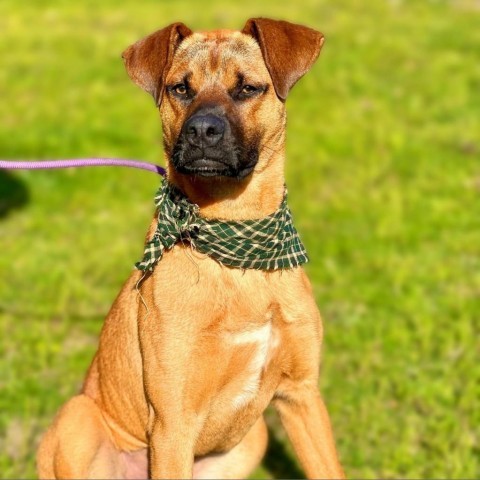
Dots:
{"x": 261, "y": 343}
{"x": 246, "y": 377}
{"x": 233, "y": 345}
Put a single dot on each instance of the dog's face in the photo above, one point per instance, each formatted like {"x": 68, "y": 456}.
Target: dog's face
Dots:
{"x": 221, "y": 94}
{"x": 217, "y": 106}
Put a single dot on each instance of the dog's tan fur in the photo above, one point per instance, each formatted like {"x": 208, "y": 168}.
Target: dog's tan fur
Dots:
{"x": 186, "y": 366}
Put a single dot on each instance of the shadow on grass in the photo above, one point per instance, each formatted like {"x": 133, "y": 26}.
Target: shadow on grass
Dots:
{"x": 13, "y": 193}
{"x": 278, "y": 460}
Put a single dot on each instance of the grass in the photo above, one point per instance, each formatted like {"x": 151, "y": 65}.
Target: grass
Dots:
{"x": 384, "y": 178}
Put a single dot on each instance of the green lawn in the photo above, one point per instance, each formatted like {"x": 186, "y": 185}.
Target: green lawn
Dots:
{"x": 383, "y": 170}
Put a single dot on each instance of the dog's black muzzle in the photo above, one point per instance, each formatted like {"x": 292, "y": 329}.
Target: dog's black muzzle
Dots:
{"x": 208, "y": 146}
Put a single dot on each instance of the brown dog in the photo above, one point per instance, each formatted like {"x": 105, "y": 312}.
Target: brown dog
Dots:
{"x": 188, "y": 362}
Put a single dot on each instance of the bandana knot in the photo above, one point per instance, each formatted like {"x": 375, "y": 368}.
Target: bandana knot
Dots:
{"x": 183, "y": 221}
{"x": 270, "y": 243}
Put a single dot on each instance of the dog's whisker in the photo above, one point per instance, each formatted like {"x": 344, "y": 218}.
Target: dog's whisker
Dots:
{"x": 139, "y": 294}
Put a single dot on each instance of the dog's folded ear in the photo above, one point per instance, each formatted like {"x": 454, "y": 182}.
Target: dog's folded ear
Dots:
{"x": 289, "y": 50}
{"x": 148, "y": 60}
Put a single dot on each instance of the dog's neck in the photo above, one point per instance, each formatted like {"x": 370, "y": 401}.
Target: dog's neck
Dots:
{"x": 256, "y": 196}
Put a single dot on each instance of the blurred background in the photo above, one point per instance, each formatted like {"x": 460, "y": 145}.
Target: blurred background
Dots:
{"x": 383, "y": 168}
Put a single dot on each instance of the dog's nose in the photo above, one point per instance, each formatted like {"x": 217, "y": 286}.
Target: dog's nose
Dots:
{"x": 204, "y": 130}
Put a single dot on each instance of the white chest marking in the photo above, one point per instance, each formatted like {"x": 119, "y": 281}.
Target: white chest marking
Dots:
{"x": 263, "y": 338}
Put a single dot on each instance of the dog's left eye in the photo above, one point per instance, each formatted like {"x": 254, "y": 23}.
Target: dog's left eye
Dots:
{"x": 249, "y": 89}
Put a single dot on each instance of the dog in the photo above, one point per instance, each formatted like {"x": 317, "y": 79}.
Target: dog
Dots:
{"x": 193, "y": 351}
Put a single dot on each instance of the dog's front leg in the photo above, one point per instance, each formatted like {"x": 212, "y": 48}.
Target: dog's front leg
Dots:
{"x": 168, "y": 372}
{"x": 171, "y": 449}
{"x": 173, "y": 426}
{"x": 306, "y": 421}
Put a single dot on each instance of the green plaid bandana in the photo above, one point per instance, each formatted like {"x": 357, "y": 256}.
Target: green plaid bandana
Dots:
{"x": 270, "y": 243}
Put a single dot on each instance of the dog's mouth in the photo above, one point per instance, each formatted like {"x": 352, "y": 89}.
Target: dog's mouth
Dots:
{"x": 208, "y": 167}
{"x": 205, "y": 167}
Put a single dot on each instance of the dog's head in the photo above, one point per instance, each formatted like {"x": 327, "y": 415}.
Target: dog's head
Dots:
{"x": 221, "y": 94}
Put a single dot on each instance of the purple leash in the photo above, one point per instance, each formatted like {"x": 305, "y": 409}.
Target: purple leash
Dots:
{"x": 81, "y": 162}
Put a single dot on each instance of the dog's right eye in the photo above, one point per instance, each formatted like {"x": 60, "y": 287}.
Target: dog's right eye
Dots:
{"x": 180, "y": 89}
